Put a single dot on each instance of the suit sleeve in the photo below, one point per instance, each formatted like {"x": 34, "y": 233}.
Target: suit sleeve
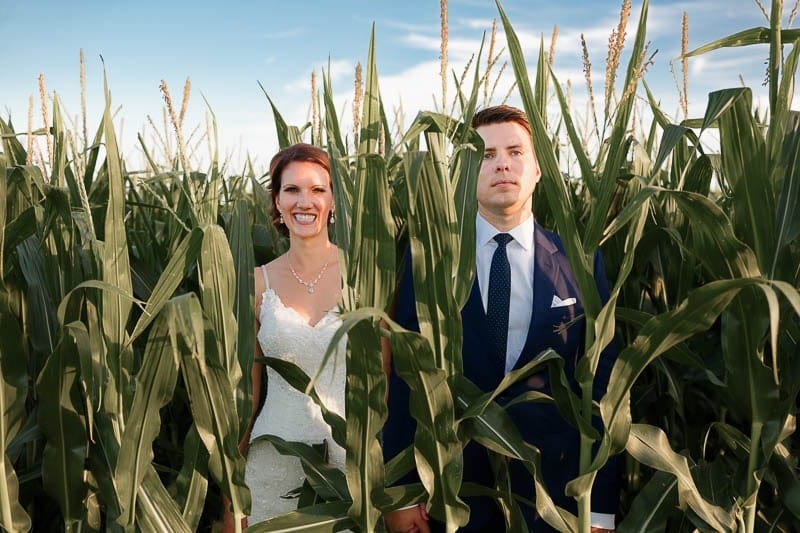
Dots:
{"x": 605, "y": 493}
{"x": 398, "y": 432}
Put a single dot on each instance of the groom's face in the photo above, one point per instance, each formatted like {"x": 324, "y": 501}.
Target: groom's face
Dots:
{"x": 509, "y": 172}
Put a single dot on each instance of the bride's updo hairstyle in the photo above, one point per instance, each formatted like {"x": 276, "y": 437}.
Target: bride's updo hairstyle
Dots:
{"x": 300, "y": 152}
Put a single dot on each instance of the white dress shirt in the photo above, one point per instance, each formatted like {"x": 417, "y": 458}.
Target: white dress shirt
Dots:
{"x": 520, "y": 256}
{"x": 520, "y": 253}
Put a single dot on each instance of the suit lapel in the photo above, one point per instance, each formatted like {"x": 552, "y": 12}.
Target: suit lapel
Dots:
{"x": 546, "y": 271}
{"x": 546, "y": 274}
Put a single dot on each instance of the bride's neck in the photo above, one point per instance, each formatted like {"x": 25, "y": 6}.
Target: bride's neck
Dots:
{"x": 311, "y": 253}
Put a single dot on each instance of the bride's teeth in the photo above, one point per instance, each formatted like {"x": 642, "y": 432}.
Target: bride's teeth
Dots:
{"x": 305, "y": 218}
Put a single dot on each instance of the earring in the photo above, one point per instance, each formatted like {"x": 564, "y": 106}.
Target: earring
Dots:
{"x": 281, "y": 218}
{"x": 332, "y": 219}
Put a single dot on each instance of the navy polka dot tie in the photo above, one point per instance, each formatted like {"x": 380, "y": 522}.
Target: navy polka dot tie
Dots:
{"x": 499, "y": 295}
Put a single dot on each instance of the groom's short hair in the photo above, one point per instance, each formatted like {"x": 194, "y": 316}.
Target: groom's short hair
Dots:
{"x": 501, "y": 113}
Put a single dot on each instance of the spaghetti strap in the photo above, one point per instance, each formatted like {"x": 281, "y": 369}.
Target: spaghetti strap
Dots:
{"x": 266, "y": 279}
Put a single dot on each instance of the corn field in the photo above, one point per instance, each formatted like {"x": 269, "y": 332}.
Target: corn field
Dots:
{"x": 126, "y": 310}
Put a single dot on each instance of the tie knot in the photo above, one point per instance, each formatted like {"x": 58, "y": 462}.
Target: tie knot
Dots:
{"x": 503, "y": 239}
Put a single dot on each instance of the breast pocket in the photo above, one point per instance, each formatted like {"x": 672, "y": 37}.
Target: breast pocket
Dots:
{"x": 561, "y": 321}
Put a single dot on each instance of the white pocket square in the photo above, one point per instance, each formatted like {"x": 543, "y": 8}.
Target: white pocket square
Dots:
{"x": 558, "y": 302}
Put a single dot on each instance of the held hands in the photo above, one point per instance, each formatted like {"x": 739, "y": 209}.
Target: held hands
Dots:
{"x": 409, "y": 520}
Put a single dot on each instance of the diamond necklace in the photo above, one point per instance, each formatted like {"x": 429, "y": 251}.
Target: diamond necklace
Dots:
{"x": 309, "y": 285}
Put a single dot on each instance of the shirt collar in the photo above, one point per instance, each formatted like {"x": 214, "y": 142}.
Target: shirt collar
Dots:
{"x": 522, "y": 233}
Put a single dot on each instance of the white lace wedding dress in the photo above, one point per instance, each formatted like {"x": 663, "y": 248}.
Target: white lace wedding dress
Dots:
{"x": 287, "y": 412}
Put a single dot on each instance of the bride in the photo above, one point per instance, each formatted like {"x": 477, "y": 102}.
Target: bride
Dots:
{"x": 296, "y": 300}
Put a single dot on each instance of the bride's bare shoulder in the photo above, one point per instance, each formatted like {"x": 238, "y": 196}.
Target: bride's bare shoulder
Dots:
{"x": 264, "y": 275}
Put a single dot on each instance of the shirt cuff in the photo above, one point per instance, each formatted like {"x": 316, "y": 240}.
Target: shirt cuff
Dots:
{"x": 408, "y": 507}
{"x": 603, "y": 520}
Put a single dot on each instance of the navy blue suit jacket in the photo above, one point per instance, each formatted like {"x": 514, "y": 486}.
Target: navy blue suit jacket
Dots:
{"x": 540, "y": 424}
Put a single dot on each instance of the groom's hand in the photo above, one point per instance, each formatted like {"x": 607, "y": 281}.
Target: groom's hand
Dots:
{"x": 410, "y": 520}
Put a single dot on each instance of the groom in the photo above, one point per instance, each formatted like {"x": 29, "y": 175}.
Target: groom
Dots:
{"x": 523, "y": 297}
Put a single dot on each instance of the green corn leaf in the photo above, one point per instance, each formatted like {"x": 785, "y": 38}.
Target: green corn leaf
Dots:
{"x": 333, "y": 131}
{"x": 59, "y": 162}
{"x": 746, "y": 167}
{"x": 192, "y": 481}
{"x": 343, "y": 185}
{"x": 214, "y": 184}
{"x": 182, "y": 260}
{"x": 91, "y": 159}
{"x": 787, "y": 483}
{"x": 400, "y": 465}
{"x": 328, "y": 482}
{"x": 217, "y": 277}
{"x": 155, "y": 383}
{"x": 680, "y": 352}
{"x": 466, "y": 162}
{"x": 652, "y": 505}
{"x": 438, "y": 449}
{"x": 404, "y": 495}
{"x": 287, "y": 135}
{"x": 116, "y": 271}
{"x": 604, "y": 326}
{"x": 372, "y": 254}
{"x": 12, "y": 148}
{"x": 748, "y": 37}
{"x": 563, "y": 396}
{"x": 698, "y": 177}
{"x": 787, "y": 216}
{"x": 432, "y": 236}
{"x": 212, "y": 402}
{"x": 92, "y": 372}
{"x": 371, "y": 105}
{"x": 540, "y": 86}
{"x": 155, "y": 508}
{"x": 43, "y": 322}
{"x": 366, "y": 413}
{"x": 695, "y": 314}
{"x": 325, "y": 517}
{"x": 21, "y": 227}
{"x": 714, "y": 239}
{"x": 650, "y": 446}
{"x": 673, "y": 135}
{"x": 494, "y": 429}
{"x": 13, "y": 392}
{"x": 241, "y": 245}
{"x": 297, "y": 378}
{"x": 63, "y": 425}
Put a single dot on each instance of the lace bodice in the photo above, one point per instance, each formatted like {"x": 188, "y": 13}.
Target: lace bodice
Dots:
{"x": 287, "y": 412}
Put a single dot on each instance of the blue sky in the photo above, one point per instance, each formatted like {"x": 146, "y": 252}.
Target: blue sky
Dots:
{"x": 226, "y": 48}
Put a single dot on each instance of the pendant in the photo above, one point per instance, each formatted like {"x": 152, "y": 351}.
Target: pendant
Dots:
{"x": 310, "y": 290}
